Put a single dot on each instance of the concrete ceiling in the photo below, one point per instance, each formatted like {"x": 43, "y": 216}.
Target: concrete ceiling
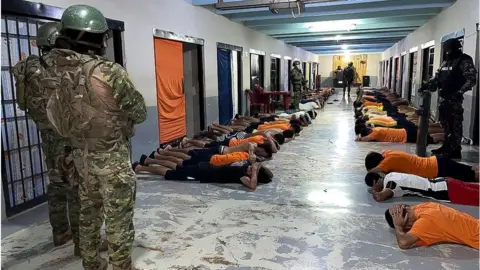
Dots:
{"x": 374, "y": 25}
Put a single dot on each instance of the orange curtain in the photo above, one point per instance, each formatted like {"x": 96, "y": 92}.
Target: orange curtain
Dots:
{"x": 359, "y": 63}
{"x": 172, "y": 122}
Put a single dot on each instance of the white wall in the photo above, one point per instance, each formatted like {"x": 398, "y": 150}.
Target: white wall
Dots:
{"x": 180, "y": 16}
{"x": 462, "y": 14}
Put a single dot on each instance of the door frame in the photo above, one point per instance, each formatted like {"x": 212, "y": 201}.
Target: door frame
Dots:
{"x": 239, "y": 49}
{"x": 20, "y": 9}
{"x": 261, "y": 67}
{"x": 169, "y": 35}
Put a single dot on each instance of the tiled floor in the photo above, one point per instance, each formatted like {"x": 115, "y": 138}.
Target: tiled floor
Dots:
{"x": 317, "y": 214}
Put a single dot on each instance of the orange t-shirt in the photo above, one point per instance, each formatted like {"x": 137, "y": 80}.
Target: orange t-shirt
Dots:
{"x": 371, "y": 103}
{"x": 255, "y": 139}
{"x": 279, "y": 126}
{"x": 381, "y": 134}
{"x": 220, "y": 160}
{"x": 439, "y": 223}
{"x": 397, "y": 161}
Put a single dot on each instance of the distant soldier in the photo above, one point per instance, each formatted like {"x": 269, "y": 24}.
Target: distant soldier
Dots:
{"x": 297, "y": 79}
{"x": 32, "y": 97}
{"x": 96, "y": 106}
{"x": 457, "y": 76}
{"x": 348, "y": 77}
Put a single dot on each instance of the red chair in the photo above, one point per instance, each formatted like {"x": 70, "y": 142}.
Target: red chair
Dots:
{"x": 254, "y": 103}
{"x": 263, "y": 97}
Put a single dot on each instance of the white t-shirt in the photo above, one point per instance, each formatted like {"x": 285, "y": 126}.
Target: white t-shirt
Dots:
{"x": 308, "y": 106}
{"x": 286, "y": 115}
{"x": 403, "y": 184}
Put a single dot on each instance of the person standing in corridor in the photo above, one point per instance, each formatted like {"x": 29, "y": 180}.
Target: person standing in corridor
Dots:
{"x": 96, "y": 106}
{"x": 298, "y": 81}
{"x": 348, "y": 77}
{"x": 62, "y": 190}
{"x": 457, "y": 75}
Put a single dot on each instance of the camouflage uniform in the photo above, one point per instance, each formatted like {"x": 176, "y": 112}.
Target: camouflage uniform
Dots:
{"x": 297, "y": 82}
{"x": 100, "y": 135}
{"x": 456, "y": 78}
{"x": 63, "y": 187}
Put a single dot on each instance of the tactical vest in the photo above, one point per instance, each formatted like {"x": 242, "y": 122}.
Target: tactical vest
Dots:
{"x": 296, "y": 76}
{"x": 80, "y": 112}
{"x": 451, "y": 77}
{"x": 31, "y": 95}
{"x": 348, "y": 73}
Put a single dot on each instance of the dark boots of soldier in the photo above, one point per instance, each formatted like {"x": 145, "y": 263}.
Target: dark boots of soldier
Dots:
{"x": 61, "y": 239}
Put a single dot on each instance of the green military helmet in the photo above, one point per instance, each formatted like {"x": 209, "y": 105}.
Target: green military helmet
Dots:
{"x": 84, "y": 18}
{"x": 296, "y": 63}
{"x": 47, "y": 34}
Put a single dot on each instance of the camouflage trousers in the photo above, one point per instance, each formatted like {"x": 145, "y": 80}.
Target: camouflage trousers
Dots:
{"x": 451, "y": 119}
{"x": 107, "y": 191}
{"x": 62, "y": 190}
{"x": 297, "y": 95}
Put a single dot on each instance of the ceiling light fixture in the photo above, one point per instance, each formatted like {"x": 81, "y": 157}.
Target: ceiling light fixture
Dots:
{"x": 344, "y": 46}
{"x": 329, "y": 26}
{"x": 338, "y": 37}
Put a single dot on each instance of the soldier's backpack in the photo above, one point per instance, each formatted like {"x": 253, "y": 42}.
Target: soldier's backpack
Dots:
{"x": 90, "y": 119}
{"x": 30, "y": 94}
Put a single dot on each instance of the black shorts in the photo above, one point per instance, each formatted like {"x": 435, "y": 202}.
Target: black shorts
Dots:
{"x": 412, "y": 134}
{"x": 450, "y": 168}
{"x": 201, "y": 155}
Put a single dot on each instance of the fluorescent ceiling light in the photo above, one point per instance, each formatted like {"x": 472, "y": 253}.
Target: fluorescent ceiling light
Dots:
{"x": 344, "y": 46}
{"x": 329, "y": 26}
{"x": 338, "y": 37}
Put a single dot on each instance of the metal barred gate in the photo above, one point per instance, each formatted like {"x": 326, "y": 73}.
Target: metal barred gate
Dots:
{"x": 24, "y": 173}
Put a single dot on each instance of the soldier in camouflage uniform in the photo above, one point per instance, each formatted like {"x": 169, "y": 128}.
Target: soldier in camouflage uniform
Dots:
{"x": 32, "y": 97}
{"x": 456, "y": 76}
{"x": 96, "y": 106}
{"x": 297, "y": 79}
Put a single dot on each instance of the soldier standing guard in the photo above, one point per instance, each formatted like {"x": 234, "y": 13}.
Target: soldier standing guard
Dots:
{"x": 96, "y": 106}
{"x": 297, "y": 81}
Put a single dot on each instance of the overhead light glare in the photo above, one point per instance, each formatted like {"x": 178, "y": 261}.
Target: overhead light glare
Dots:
{"x": 329, "y": 26}
{"x": 344, "y": 46}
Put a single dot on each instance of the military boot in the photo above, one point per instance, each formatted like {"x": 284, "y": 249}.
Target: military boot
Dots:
{"x": 61, "y": 239}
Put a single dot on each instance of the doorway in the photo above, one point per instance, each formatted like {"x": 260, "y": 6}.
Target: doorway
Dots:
{"x": 257, "y": 70}
{"x": 24, "y": 172}
{"x": 289, "y": 72}
{"x": 427, "y": 63}
{"x": 386, "y": 73}
{"x": 390, "y": 68}
{"x": 412, "y": 73}
{"x": 402, "y": 73}
{"x": 229, "y": 59}
{"x": 395, "y": 75}
{"x": 274, "y": 74}
{"x": 180, "y": 85}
